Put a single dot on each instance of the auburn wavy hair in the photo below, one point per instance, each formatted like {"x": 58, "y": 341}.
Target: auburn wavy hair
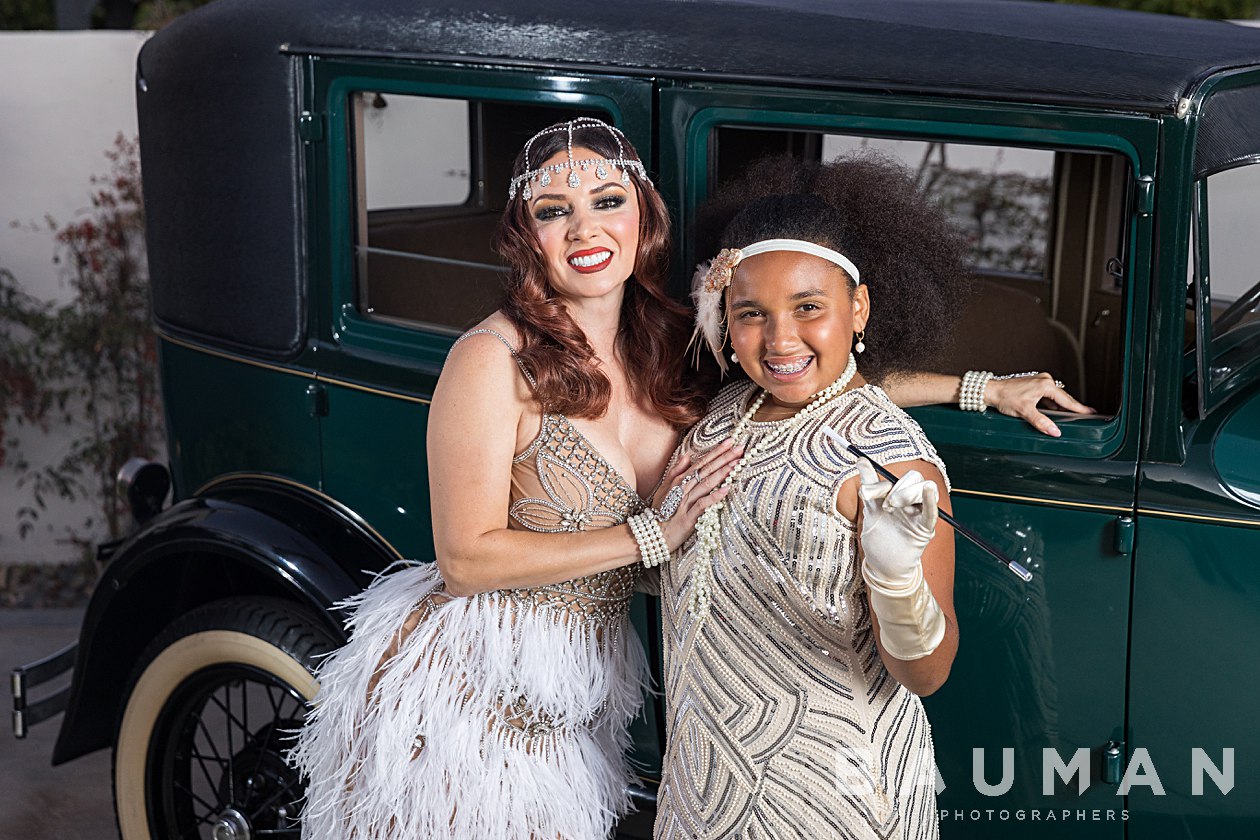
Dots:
{"x": 652, "y": 336}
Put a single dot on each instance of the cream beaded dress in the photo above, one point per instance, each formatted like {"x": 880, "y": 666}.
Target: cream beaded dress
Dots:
{"x": 502, "y": 715}
{"x": 782, "y": 721}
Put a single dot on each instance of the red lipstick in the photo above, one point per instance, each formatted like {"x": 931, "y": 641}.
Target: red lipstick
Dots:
{"x": 592, "y": 260}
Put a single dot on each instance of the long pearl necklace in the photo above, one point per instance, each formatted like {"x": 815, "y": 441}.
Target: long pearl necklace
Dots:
{"x": 709, "y": 528}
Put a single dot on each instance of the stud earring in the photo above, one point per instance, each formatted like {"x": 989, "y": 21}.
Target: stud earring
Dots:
{"x": 860, "y": 347}
{"x": 734, "y": 358}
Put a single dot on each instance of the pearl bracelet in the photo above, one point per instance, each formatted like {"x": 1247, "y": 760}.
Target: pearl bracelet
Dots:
{"x": 971, "y": 395}
{"x": 651, "y": 539}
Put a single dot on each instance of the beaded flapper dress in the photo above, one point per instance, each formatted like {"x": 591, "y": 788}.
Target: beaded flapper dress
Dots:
{"x": 500, "y": 715}
{"x": 782, "y": 721}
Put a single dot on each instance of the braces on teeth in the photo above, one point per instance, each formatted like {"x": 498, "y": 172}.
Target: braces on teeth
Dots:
{"x": 796, "y": 367}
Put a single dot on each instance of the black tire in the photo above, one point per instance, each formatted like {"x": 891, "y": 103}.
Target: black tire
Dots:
{"x": 199, "y": 751}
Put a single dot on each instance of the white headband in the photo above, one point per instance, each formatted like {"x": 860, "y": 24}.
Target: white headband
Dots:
{"x": 712, "y": 277}
{"x": 800, "y": 245}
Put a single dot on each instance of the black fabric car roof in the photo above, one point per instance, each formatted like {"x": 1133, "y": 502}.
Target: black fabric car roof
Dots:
{"x": 217, "y": 96}
{"x": 997, "y": 48}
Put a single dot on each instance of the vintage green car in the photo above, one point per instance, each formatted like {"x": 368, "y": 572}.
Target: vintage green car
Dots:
{"x": 322, "y": 178}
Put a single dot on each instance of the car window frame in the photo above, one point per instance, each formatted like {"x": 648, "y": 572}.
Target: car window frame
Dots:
{"x": 1208, "y": 346}
{"x": 1133, "y": 137}
{"x": 332, "y": 203}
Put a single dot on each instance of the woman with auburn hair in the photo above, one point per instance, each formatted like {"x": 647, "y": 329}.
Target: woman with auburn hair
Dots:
{"x": 489, "y": 694}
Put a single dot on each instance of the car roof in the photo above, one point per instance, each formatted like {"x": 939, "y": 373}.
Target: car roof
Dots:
{"x": 218, "y": 94}
{"x": 1000, "y": 49}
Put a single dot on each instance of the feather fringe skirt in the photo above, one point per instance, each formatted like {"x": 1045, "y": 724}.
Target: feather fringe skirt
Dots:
{"x": 495, "y": 717}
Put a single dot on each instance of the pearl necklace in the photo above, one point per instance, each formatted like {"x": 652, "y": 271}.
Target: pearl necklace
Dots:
{"x": 709, "y": 528}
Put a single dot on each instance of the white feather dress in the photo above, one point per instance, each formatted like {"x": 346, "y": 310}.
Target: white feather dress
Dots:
{"x": 502, "y": 715}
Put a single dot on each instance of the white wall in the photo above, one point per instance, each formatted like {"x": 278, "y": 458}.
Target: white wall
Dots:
{"x": 398, "y": 173}
{"x": 65, "y": 97}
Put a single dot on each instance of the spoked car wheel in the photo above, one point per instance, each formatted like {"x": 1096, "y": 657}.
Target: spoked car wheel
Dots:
{"x": 200, "y": 749}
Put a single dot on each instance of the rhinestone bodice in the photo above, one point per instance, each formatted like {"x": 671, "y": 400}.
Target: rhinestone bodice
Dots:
{"x": 561, "y": 483}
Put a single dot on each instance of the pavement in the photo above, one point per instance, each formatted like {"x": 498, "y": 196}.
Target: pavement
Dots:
{"x": 39, "y": 801}
{"x": 73, "y": 801}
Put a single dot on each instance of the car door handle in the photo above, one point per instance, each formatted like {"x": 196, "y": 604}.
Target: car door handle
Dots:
{"x": 1124, "y": 535}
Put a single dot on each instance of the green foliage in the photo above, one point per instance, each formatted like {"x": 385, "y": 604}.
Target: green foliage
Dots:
{"x": 89, "y": 364}
{"x": 1218, "y": 9}
{"x": 140, "y": 14}
{"x": 22, "y": 401}
{"x": 158, "y": 13}
{"x": 27, "y": 14}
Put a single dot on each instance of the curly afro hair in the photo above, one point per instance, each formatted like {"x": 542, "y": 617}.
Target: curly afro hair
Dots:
{"x": 868, "y": 208}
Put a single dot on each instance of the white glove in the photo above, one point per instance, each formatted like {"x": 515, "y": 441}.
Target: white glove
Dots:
{"x": 898, "y": 522}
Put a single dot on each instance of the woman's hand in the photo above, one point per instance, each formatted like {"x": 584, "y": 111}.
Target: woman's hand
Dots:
{"x": 1019, "y": 397}
{"x": 483, "y": 411}
{"x": 691, "y": 488}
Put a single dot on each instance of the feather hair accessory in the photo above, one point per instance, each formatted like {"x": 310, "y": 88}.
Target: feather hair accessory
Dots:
{"x": 707, "y": 285}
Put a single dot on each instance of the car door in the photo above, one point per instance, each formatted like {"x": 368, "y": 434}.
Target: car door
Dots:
{"x": 1194, "y": 757}
{"x": 1039, "y": 681}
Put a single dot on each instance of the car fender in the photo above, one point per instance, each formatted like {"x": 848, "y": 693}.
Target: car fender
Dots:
{"x": 253, "y": 535}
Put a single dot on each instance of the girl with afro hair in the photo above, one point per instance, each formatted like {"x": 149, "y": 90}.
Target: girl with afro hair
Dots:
{"x": 814, "y": 604}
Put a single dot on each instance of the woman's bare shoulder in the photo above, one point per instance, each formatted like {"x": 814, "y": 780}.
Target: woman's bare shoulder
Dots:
{"x": 481, "y": 369}
{"x": 495, "y": 322}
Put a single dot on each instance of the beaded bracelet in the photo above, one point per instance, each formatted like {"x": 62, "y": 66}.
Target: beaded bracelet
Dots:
{"x": 653, "y": 549}
{"x": 971, "y": 395}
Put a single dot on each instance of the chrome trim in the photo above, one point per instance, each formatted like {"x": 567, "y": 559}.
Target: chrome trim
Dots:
{"x": 293, "y": 371}
{"x": 1198, "y": 517}
{"x": 344, "y": 384}
{"x": 1049, "y": 502}
{"x": 24, "y": 677}
{"x": 245, "y": 360}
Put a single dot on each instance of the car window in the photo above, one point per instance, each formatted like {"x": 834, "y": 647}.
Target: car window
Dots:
{"x": 1226, "y": 253}
{"x": 1233, "y": 220}
{"x": 430, "y": 179}
{"x": 998, "y": 196}
{"x": 416, "y": 150}
{"x": 1048, "y": 237}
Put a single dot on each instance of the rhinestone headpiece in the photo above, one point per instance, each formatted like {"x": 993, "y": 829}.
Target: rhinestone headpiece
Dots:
{"x": 602, "y": 166}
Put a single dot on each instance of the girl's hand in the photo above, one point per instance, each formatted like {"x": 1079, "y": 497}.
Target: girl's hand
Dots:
{"x": 1019, "y": 397}
{"x": 898, "y": 521}
{"x": 691, "y": 488}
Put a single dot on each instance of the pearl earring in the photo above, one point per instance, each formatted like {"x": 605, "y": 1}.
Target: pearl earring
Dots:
{"x": 860, "y": 347}
{"x": 734, "y": 358}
